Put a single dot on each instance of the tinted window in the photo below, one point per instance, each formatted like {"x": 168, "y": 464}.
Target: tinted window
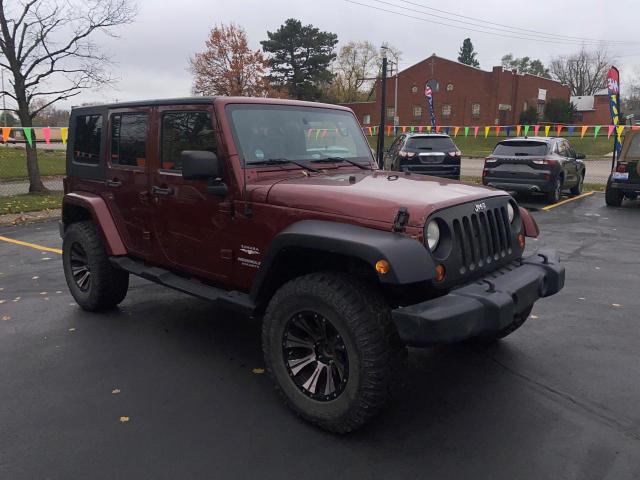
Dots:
{"x": 129, "y": 139}
{"x": 436, "y": 144}
{"x": 264, "y": 132}
{"x": 88, "y": 131}
{"x": 516, "y": 149}
{"x": 634, "y": 148}
{"x": 185, "y": 131}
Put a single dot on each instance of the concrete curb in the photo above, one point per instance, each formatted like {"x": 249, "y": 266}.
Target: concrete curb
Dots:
{"x": 30, "y": 217}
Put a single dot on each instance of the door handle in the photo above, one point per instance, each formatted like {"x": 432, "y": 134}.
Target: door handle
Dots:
{"x": 116, "y": 182}
{"x": 161, "y": 190}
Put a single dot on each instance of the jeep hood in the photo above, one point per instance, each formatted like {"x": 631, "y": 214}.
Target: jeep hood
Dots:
{"x": 375, "y": 196}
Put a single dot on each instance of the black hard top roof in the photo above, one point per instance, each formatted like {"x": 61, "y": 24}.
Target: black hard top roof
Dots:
{"x": 530, "y": 139}
{"x": 152, "y": 103}
{"x": 429, "y": 135}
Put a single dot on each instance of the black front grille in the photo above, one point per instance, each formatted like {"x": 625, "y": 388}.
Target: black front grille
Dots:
{"x": 482, "y": 238}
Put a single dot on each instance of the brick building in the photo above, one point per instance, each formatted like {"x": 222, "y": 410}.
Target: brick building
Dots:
{"x": 462, "y": 95}
{"x": 593, "y": 109}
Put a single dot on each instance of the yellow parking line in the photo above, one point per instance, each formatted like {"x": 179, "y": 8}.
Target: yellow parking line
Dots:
{"x": 31, "y": 245}
{"x": 549, "y": 207}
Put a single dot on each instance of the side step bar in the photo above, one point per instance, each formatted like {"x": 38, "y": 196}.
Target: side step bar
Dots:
{"x": 231, "y": 299}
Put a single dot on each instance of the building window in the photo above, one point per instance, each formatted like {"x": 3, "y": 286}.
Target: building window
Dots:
{"x": 391, "y": 112}
{"x": 185, "y": 131}
{"x": 446, "y": 110}
{"x": 475, "y": 110}
{"x": 129, "y": 139}
{"x": 366, "y": 120}
{"x": 414, "y": 89}
{"x": 449, "y": 87}
{"x": 88, "y": 132}
{"x": 579, "y": 117}
{"x": 540, "y": 110}
{"x": 435, "y": 86}
{"x": 417, "y": 111}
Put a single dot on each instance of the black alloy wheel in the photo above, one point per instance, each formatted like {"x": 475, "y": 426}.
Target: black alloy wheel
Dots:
{"x": 80, "y": 267}
{"x": 316, "y": 356}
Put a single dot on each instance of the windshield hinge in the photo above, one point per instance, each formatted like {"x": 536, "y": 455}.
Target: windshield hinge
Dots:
{"x": 402, "y": 217}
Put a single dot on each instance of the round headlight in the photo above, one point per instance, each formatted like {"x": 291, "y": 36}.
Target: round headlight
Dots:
{"x": 433, "y": 235}
{"x": 510, "y": 212}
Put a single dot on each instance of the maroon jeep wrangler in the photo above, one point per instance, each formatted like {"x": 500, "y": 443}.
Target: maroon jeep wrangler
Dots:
{"x": 276, "y": 208}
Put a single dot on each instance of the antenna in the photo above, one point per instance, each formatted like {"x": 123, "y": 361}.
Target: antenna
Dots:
{"x": 247, "y": 208}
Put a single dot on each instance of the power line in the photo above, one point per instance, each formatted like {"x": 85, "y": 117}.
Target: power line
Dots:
{"x": 455, "y": 26}
{"x": 536, "y": 32}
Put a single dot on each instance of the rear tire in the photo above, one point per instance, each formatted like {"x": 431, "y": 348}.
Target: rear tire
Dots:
{"x": 613, "y": 197}
{"x": 338, "y": 326}
{"x": 577, "y": 190}
{"x": 94, "y": 283}
{"x": 555, "y": 194}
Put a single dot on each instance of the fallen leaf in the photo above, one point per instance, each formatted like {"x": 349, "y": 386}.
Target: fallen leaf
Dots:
{"x": 597, "y": 268}
{"x": 35, "y": 277}
{"x": 258, "y": 371}
{"x": 59, "y": 291}
{"x": 17, "y": 299}
{"x": 124, "y": 419}
{"x": 2, "y": 301}
{"x": 581, "y": 298}
{"x": 115, "y": 391}
{"x": 46, "y": 258}
{"x": 6, "y": 318}
{"x": 43, "y": 293}
{"x": 72, "y": 329}
{"x": 46, "y": 298}
{"x": 616, "y": 305}
{"x": 535, "y": 317}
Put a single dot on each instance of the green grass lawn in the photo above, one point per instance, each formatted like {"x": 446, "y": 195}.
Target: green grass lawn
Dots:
{"x": 13, "y": 163}
{"x": 30, "y": 202}
{"x": 470, "y": 146}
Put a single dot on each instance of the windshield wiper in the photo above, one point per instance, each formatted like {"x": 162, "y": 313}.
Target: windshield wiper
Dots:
{"x": 283, "y": 161}
{"x": 341, "y": 159}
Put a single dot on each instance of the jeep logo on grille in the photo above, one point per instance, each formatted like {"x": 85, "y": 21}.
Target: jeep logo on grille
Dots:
{"x": 481, "y": 207}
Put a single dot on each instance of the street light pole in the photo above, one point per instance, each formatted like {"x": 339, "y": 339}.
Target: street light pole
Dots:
{"x": 383, "y": 106}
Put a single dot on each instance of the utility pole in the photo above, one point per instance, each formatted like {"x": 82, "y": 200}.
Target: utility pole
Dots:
{"x": 4, "y": 101}
{"x": 383, "y": 107}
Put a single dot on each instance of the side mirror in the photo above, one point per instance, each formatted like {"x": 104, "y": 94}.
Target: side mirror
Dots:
{"x": 580, "y": 156}
{"x": 200, "y": 165}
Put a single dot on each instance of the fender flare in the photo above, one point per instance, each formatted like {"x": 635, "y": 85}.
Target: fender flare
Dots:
{"x": 101, "y": 216}
{"x": 529, "y": 224}
{"x": 409, "y": 260}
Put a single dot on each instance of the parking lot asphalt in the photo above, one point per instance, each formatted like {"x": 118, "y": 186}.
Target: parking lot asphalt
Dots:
{"x": 168, "y": 387}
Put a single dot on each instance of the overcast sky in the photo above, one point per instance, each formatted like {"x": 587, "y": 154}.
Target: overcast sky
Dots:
{"x": 151, "y": 55}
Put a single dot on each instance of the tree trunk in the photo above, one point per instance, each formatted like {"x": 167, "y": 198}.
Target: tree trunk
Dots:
{"x": 35, "y": 182}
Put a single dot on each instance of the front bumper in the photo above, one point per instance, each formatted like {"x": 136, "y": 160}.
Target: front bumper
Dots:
{"x": 487, "y": 305}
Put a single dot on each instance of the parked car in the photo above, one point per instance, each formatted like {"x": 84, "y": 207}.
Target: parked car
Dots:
{"x": 540, "y": 164}
{"x": 237, "y": 201}
{"x": 624, "y": 181}
{"x": 424, "y": 153}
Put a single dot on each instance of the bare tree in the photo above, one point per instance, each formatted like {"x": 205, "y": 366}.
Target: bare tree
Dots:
{"x": 355, "y": 65}
{"x": 46, "y": 46}
{"x": 584, "y": 72}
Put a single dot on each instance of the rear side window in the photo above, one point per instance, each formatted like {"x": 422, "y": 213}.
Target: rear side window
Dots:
{"x": 88, "y": 133}
{"x": 185, "y": 131}
{"x": 436, "y": 144}
{"x": 129, "y": 139}
{"x": 521, "y": 149}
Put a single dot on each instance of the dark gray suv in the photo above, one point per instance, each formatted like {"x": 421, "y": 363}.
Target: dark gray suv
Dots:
{"x": 536, "y": 165}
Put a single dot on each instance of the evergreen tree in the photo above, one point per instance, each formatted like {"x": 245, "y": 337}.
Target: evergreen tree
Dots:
{"x": 300, "y": 59}
{"x": 467, "y": 54}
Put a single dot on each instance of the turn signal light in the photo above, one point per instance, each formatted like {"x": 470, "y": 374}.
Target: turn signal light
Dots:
{"x": 382, "y": 267}
{"x": 622, "y": 168}
{"x": 440, "y": 273}
{"x": 521, "y": 240}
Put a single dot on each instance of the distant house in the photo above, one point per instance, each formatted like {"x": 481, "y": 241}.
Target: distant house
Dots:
{"x": 462, "y": 95}
{"x": 592, "y": 109}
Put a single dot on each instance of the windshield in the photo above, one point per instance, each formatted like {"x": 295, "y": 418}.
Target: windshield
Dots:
{"x": 524, "y": 149}
{"x": 281, "y": 132}
{"x": 436, "y": 144}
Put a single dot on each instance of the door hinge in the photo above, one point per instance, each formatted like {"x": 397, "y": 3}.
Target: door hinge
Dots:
{"x": 402, "y": 217}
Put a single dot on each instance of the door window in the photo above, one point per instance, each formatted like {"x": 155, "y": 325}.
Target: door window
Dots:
{"x": 129, "y": 139}
{"x": 185, "y": 131}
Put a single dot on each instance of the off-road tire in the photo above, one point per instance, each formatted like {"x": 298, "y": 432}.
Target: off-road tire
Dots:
{"x": 518, "y": 321}
{"x": 555, "y": 194}
{"x": 613, "y": 197}
{"x": 577, "y": 190}
{"x": 377, "y": 359}
{"x": 108, "y": 285}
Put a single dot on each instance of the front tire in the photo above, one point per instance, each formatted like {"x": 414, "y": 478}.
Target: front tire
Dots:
{"x": 332, "y": 349}
{"x": 94, "y": 283}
